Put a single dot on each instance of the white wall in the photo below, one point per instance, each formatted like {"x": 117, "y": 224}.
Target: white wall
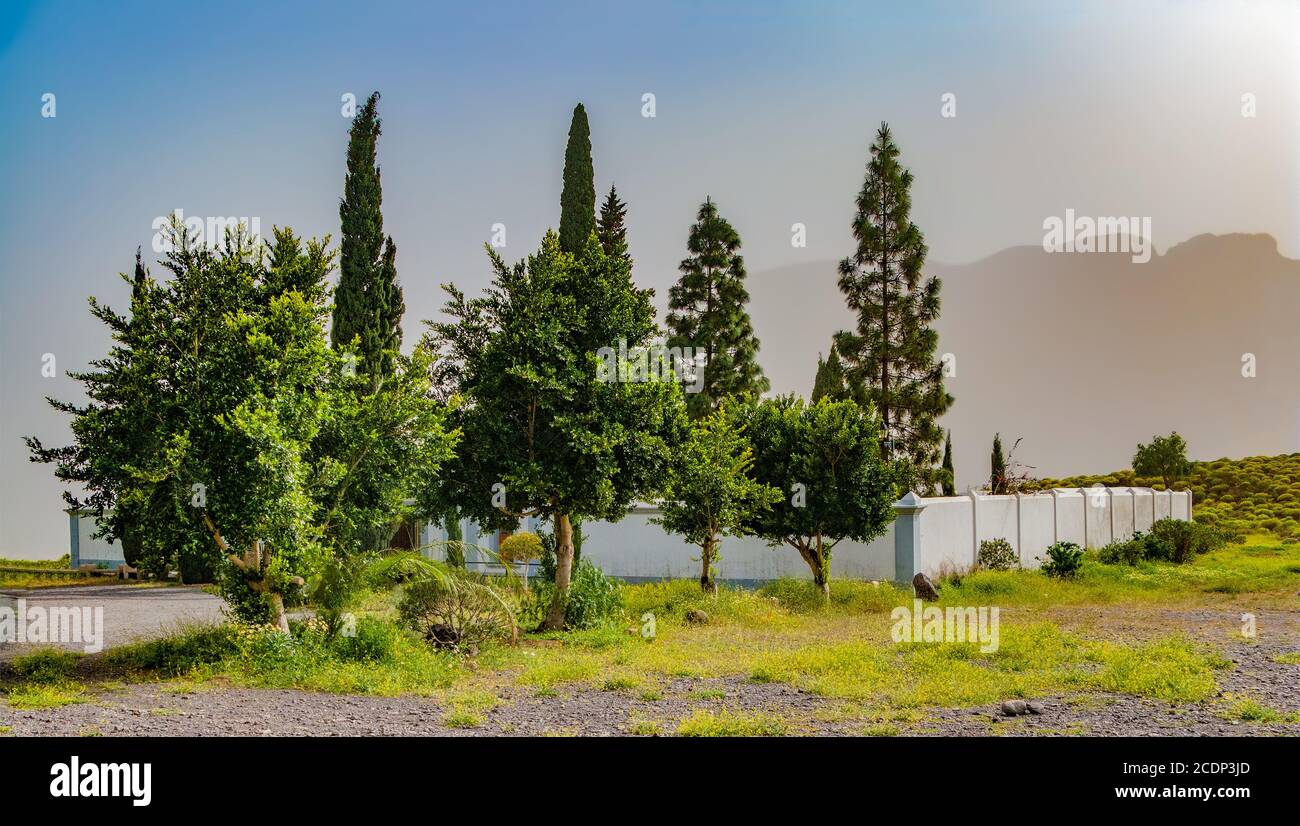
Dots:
{"x": 945, "y": 532}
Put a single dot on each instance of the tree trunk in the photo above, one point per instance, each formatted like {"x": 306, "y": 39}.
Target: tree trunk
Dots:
{"x": 563, "y": 571}
{"x": 822, "y": 570}
{"x": 706, "y": 574}
{"x": 277, "y": 611}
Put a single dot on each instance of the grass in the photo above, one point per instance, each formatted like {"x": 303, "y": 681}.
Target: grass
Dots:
{"x": 726, "y": 723}
{"x": 1291, "y": 658}
{"x": 782, "y": 633}
{"x": 36, "y": 696}
{"x": 1249, "y": 711}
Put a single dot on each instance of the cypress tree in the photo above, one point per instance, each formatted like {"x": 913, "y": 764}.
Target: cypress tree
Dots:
{"x": 610, "y": 228}
{"x": 578, "y": 198}
{"x": 368, "y": 302}
{"x": 829, "y": 381}
{"x": 949, "y": 481}
{"x": 889, "y": 359}
{"x": 997, "y": 467}
{"x": 707, "y": 313}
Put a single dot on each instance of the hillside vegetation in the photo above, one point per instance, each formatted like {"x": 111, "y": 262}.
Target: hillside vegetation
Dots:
{"x": 1252, "y": 495}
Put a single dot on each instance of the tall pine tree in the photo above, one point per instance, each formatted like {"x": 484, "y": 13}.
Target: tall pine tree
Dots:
{"x": 948, "y": 484}
{"x": 578, "y": 198}
{"x": 889, "y": 358}
{"x": 707, "y": 313}
{"x": 610, "y": 228}
{"x": 368, "y": 303}
{"x": 829, "y": 381}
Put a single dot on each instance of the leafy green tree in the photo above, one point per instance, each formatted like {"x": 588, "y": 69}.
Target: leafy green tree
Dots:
{"x": 545, "y": 432}
{"x": 997, "y": 467}
{"x": 200, "y": 436}
{"x": 949, "y": 481}
{"x": 368, "y": 303}
{"x": 578, "y": 197}
{"x": 710, "y": 492}
{"x": 707, "y": 312}
{"x": 610, "y": 227}
{"x": 889, "y": 358}
{"x": 825, "y": 457}
{"x": 829, "y": 381}
{"x": 1165, "y": 457}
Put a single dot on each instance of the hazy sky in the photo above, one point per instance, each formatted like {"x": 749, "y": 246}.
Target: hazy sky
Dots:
{"x": 1125, "y": 108}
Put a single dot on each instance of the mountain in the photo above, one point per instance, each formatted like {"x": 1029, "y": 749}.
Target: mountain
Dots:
{"x": 1083, "y": 355}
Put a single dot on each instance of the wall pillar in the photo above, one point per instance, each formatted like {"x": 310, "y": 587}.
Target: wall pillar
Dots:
{"x": 907, "y": 537}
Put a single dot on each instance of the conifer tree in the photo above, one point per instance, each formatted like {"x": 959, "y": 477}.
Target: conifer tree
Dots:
{"x": 997, "y": 467}
{"x": 610, "y": 228}
{"x": 707, "y": 313}
{"x": 889, "y": 358}
{"x": 578, "y": 198}
{"x": 829, "y": 381}
{"x": 948, "y": 482}
{"x": 368, "y": 302}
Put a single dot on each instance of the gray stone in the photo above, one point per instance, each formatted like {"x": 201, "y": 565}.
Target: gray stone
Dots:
{"x": 1014, "y": 708}
{"x": 925, "y": 588}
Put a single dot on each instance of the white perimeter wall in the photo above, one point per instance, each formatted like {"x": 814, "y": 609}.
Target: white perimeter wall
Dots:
{"x": 951, "y": 528}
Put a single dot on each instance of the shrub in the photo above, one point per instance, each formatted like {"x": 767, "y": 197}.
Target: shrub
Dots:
{"x": 1125, "y": 551}
{"x": 1064, "y": 559}
{"x": 48, "y": 665}
{"x": 176, "y": 655}
{"x": 373, "y": 640}
{"x": 593, "y": 599}
{"x": 459, "y": 611}
{"x": 1183, "y": 541}
{"x": 520, "y": 547}
{"x": 997, "y": 555}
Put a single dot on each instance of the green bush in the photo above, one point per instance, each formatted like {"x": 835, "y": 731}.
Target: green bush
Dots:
{"x": 594, "y": 598}
{"x": 1183, "y": 541}
{"x": 179, "y": 654}
{"x": 48, "y": 665}
{"x": 1124, "y": 551}
{"x": 520, "y": 547}
{"x": 997, "y": 555}
{"x": 1064, "y": 559}
{"x": 371, "y": 640}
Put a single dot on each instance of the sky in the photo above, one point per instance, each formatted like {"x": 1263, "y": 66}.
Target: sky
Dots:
{"x": 1106, "y": 108}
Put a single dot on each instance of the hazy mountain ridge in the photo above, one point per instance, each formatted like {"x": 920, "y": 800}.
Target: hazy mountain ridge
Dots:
{"x": 1085, "y": 354}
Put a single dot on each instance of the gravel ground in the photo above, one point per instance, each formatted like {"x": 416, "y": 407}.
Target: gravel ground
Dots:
{"x": 179, "y": 709}
{"x": 130, "y": 612}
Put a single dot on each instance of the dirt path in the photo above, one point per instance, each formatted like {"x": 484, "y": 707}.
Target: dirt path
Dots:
{"x": 178, "y": 709}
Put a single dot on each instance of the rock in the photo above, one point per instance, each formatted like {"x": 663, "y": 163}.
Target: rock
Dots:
{"x": 697, "y": 617}
{"x": 925, "y": 588}
{"x": 1034, "y": 708}
{"x": 1014, "y": 708}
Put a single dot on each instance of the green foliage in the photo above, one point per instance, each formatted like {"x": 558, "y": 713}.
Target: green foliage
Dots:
{"x": 825, "y": 458}
{"x": 1064, "y": 559}
{"x": 1128, "y": 551}
{"x": 610, "y": 228}
{"x": 1165, "y": 457}
{"x": 177, "y": 654}
{"x": 997, "y": 467}
{"x": 541, "y": 426}
{"x": 452, "y": 608}
{"x": 578, "y": 198}
{"x": 368, "y": 304}
{"x": 889, "y": 358}
{"x": 523, "y": 546}
{"x": 710, "y": 492}
{"x": 997, "y": 555}
{"x": 1186, "y": 540}
{"x": 948, "y": 480}
{"x": 706, "y": 311}
{"x": 593, "y": 599}
{"x": 48, "y": 665}
{"x": 829, "y": 380}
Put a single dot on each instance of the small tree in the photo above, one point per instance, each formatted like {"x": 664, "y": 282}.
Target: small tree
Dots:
{"x": 949, "y": 481}
{"x": 825, "y": 458}
{"x": 710, "y": 492}
{"x": 1165, "y": 457}
{"x": 998, "y": 468}
{"x": 546, "y": 433}
{"x": 829, "y": 381}
{"x": 611, "y": 228}
{"x": 578, "y": 197}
